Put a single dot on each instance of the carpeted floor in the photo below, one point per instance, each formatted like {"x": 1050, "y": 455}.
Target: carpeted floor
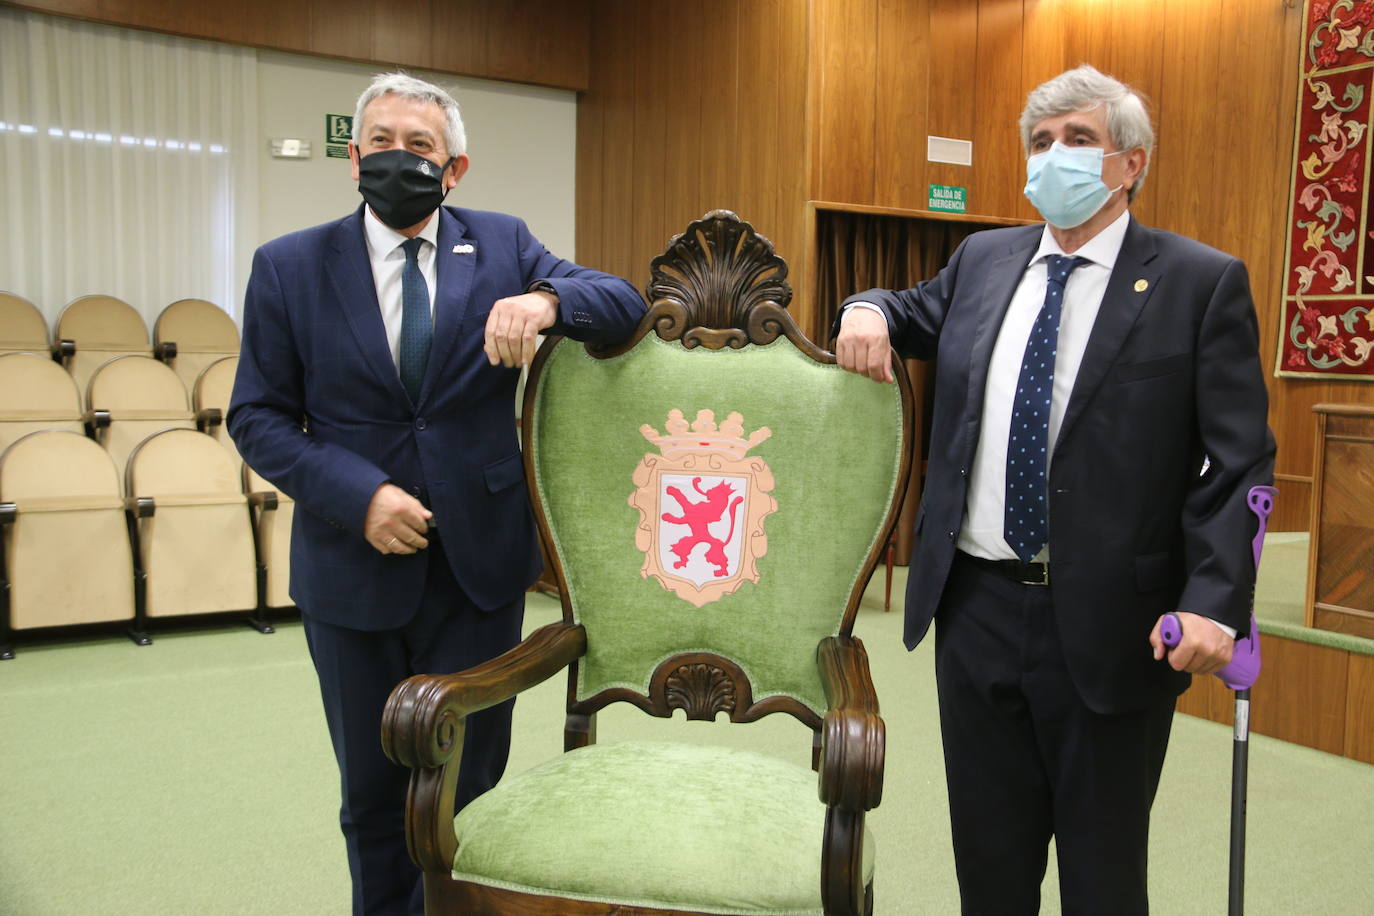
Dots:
{"x": 195, "y": 777}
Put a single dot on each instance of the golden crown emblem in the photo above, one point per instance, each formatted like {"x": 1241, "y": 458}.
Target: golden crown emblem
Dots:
{"x": 704, "y": 436}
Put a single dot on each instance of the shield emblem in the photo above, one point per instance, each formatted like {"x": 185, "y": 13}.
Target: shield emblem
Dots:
{"x": 702, "y": 501}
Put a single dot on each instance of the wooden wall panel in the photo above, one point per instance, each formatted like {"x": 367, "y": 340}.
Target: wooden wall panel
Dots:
{"x": 1301, "y": 695}
{"x": 903, "y": 91}
{"x": 545, "y": 42}
{"x": 997, "y": 153}
{"x": 953, "y": 91}
{"x": 1359, "y": 711}
{"x": 846, "y": 34}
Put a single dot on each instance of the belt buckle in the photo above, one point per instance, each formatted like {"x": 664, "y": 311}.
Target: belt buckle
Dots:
{"x": 1043, "y": 579}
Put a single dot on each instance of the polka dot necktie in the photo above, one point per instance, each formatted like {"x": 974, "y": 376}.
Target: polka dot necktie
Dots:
{"x": 1025, "y": 523}
{"x": 416, "y": 326}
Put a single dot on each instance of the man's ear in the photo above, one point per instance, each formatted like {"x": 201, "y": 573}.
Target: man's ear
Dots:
{"x": 353, "y": 156}
{"x": 1136, "y": 160}
{"x": 455, "y": 171}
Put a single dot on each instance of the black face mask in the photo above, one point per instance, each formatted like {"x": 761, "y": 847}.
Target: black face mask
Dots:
{"x": 401, "y": 187}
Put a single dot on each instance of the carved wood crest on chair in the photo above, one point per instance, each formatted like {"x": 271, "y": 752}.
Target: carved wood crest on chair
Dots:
{"x": 758, "y": 622}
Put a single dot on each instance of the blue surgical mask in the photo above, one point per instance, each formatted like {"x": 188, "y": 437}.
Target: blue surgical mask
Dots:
{"x": 1065, "y": 183}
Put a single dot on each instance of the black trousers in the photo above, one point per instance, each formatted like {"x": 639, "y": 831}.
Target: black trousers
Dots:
{"x": 357, "y": 671}
{"x": 1025, "y": 759}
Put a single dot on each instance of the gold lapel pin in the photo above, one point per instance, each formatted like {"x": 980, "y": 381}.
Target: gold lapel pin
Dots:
{"x": 1141, "y": 285}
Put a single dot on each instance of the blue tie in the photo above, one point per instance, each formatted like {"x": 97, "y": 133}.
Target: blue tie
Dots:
{"x": 1025, "y": 523}
{"x": 416, "y": 326}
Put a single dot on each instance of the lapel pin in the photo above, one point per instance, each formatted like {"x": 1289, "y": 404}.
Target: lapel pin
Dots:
{"x": 463, "y": 249}
{"x": 1140, "y": 285}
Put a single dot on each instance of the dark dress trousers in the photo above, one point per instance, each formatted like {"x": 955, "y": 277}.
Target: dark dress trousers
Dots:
{"x": 1054, "y": 713}
{"x": 319, "y": 410}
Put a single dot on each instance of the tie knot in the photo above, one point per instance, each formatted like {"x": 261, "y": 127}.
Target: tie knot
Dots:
{"x": 1058, "y": 267}
{"x": 412, "y": 249}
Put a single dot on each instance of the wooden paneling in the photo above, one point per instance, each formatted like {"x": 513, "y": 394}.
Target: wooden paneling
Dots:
{"x": 903, "y": 90}
{"x": 546, "y": 42}
{"x": 1301, "y": 694}
{"x": 1359, "y": 709}
{"x": 845, "y": 34}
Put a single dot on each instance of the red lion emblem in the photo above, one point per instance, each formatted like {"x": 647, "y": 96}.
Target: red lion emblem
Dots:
{"x": 699, "y": 517}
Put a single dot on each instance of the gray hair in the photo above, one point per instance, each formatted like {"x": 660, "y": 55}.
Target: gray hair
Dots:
{"x": 408, "y": 87}
{"x": 1085, "y": 88}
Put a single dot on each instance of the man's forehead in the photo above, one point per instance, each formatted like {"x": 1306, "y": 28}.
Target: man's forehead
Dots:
{"x": 1090, "y": 120}
{"x": 384, "y": 110}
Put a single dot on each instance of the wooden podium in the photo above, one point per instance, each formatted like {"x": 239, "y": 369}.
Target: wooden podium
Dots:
{"x": 1340, "y": 567}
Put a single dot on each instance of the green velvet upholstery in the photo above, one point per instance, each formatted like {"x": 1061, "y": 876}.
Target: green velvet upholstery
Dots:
{"x": 676, "y": 826}
{"x": 834, "y": 454}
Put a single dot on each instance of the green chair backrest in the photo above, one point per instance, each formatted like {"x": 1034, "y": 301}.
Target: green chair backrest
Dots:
{"x": 711, "y": 510}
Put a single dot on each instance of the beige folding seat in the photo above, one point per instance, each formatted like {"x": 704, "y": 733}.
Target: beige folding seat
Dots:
{"x": 132, "y": 397}
{"x": 194, "y": 537}
{"x": 93, "y": 330}
{"x": 35, "y": 393}
{"x": 66, "y": 556}
{"x": 273, "y": 511}
{"x": 210, "y": 398}
{"x": 22, "y": 326}
{"x": 190, "y": 334}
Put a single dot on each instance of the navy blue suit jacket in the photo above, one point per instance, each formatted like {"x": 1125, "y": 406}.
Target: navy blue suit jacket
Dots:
{"x": 319, "y": 410}
{"x": 1171, "y": 374}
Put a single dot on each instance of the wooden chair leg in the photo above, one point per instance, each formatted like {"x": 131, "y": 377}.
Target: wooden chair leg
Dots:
{"x": 887, "y": 592}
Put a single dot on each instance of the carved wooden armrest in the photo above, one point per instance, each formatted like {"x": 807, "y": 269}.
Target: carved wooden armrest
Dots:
{"x": 422, "y": 728}
{"x": 853, "y": 736}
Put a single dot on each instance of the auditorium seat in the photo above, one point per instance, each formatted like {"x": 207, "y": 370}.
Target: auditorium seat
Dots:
{"x": 190, "y": 334}
{"x": 210, "y": 398}
{"x": 273, "y": 513}
{"x": 132, "y": 397}
{"x": 35, "y": 393}
{"x": 194, "y": 538}
{"x": 22, "y": 326}
{"x": 66, "y": 556}
{"x": 94, "y": 329}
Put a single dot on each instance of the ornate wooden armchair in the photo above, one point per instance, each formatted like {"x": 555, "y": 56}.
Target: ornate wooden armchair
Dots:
{"x": 713, "y": 496}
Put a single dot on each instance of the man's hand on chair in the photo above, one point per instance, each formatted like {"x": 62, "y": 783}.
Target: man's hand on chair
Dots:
{"x": 513, "y": 325}
{"x": 863, "y": 345}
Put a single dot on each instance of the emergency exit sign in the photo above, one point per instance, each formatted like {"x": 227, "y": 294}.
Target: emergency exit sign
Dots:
{"x": 944, "y": 197}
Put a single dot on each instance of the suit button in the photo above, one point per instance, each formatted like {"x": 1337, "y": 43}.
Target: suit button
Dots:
{"x": 420, "y": 423}
{"x": 963, "y": 472}
{"x": 950, "y": 535}
{"x": 415, "y": 491}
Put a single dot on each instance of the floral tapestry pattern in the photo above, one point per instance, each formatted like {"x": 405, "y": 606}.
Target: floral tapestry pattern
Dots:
{"x": 1328, "y": 303}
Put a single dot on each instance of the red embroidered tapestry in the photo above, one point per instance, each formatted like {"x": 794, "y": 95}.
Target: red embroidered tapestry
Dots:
{"x": 1328, "y": 324}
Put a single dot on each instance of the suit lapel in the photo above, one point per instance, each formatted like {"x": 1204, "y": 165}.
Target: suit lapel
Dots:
{"x": 1003, "y": 276}
{"x": 455, "y": 265}
{"x": 1133, "y": 280}
{"x": 349, "y": 268}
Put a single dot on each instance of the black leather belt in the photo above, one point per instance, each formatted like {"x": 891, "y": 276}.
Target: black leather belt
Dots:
{"x": 1015, "y": 570}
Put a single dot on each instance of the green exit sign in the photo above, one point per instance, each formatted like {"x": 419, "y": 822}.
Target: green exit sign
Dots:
{"x": 944, "y": 197}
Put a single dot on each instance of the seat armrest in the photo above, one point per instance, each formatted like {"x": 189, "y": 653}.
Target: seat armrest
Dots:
{"x": 96, "y": 420}
{"x": 140, "y": 506}
{"x": 422, "y": 713}
{"x": 8, "y": 513}
{"x": 853, "y": 736}
{"x": 166, "y": 350}
{"x": 207, "y": 418}
{"x": 63, "y": 350}
{"x": 266, "y": 500}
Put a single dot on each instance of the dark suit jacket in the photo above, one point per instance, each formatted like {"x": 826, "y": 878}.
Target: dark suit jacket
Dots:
{"x": 1171, "y": 374}
{"x": 319, "y": 410}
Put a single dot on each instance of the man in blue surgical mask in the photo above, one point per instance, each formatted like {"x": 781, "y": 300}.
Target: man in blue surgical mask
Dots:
{"x": 1099, "y": 418}
{"x": 375, "y": 386}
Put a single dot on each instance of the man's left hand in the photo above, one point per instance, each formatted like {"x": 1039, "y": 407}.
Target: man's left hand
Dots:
{"x": 513, "y": 325}
{"x": 1203, "y": 649}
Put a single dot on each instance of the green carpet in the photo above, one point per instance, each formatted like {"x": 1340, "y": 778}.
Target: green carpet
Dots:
{"x": 195, "y": 776}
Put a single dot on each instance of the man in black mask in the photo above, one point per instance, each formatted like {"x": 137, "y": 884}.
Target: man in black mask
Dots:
{"x": 375, "y": 386}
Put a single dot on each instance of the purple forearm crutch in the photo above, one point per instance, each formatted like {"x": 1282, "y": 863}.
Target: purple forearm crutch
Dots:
{"x": 1239, "y": 675}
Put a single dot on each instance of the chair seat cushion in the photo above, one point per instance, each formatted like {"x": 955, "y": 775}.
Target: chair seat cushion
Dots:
{"x": 677, "y": 826}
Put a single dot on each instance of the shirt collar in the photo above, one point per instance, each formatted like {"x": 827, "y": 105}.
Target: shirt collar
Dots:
{"x": 1102, "y": 249}
{"x": 382, "y": 240}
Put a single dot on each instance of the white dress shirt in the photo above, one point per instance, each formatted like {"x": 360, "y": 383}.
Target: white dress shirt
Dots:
{"x": 981, "y": 534}
{"x": 388, "y": 261}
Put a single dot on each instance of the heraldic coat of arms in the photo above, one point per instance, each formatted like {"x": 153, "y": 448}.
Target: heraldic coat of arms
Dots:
{"x": 701, "y": 503}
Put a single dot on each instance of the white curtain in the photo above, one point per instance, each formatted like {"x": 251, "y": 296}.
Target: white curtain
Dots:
{"x": 128, "y": 165}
